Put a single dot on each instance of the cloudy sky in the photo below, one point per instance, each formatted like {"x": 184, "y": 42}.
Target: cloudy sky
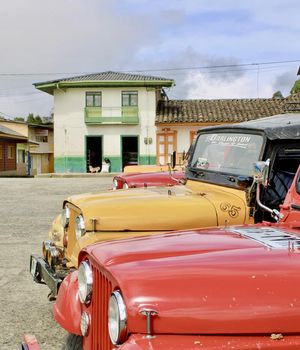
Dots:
{"x": 213, "y": 49}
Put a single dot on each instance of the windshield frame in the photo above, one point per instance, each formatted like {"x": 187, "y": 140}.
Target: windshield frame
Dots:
{"x": 216, "y": 176}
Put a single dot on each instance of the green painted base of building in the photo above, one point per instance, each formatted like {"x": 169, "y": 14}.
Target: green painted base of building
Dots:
{"x": 76, "y": 164}
{"x": 69, "y": 164}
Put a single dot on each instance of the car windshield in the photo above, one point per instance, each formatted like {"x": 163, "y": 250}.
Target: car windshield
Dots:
{"x": 227, "y": 152}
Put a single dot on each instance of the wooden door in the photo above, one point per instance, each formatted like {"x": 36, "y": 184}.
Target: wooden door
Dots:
{"x": 166, "y": 144}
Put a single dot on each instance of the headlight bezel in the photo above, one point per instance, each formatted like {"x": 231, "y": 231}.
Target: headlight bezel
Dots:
{"x": 85, "y": 323}
{"x": 79, "y": 226}
{"x": 65, "y": 217}
{"x": 116, "y": 303}
{"x": 85, "y": 282}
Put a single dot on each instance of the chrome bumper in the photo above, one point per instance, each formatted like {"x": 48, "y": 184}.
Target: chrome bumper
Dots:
{"x": 41, "y": 272}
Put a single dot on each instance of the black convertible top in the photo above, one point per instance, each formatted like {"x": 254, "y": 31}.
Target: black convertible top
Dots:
{"x": 281, "y": 126}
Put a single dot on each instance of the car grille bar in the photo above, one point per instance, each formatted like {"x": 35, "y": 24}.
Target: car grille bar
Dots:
{"x": 99, "y": 322}
{"x": 271, "y": 237}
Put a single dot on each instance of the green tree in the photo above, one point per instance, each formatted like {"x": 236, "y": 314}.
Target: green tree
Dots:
{"x": 31, "y": 119}
{"x": 296, "y": 87}
{"x": 19, "y": 119}
{"x": 277, "y": 94}
{"x": 38, "y": 120}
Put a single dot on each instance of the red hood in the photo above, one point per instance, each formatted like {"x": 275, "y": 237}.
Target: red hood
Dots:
{"x": 219, "y": 281}
{"x": 139, "y": 179}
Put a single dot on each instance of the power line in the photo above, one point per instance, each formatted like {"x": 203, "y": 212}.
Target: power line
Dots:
{"x": 250, "y": 69}
{"x": 158, "y": 69}
{"x": 37, "y": 74}
{"x": 215, "y": 66}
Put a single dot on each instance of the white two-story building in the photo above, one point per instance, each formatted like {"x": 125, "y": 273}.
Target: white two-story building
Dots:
{"x": 106, "y": 117}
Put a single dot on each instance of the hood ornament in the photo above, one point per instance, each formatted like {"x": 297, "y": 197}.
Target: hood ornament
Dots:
{"x": 149, "y": 313}
{"x": 94, "y": 223}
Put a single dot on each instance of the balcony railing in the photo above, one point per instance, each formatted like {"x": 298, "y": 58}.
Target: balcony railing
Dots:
{"x": 111, "y": 115}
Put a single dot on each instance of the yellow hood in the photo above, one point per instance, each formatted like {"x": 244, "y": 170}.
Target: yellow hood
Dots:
{"x": 162, "y": 209}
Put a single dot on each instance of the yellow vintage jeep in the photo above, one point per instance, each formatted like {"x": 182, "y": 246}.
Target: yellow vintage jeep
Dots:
{"x": 219, "y": 191}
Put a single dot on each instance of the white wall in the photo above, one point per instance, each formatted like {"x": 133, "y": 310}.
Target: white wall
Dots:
{"x": 70, "y": 128}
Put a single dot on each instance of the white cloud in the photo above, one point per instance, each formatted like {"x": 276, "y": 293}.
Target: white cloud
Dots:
{"x": 201, "y": 86}
{"x": 91, "y": 36}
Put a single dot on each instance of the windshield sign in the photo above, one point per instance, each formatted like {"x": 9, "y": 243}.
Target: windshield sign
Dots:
{"x": 227, "y": 152}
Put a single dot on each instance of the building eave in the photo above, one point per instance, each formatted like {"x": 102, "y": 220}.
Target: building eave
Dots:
{"x": 13, "y": 137}
{"x": 50, "y": 87}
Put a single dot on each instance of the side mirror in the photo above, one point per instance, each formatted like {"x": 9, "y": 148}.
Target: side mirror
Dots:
{"x": 261, "y": 172}
{"x": 260, "y": 175}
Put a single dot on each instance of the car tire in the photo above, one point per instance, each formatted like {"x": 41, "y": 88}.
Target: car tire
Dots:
{"x": 73, "y": 342}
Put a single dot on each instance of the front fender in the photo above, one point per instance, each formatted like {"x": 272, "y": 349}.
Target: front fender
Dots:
{"x": 67, "y": 307}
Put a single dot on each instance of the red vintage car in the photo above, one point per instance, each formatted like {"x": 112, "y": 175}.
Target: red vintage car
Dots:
{"x": 222, "y": 288}
{"x": 160, "y": 178}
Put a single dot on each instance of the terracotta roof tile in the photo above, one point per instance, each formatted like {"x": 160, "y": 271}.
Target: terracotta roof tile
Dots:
{"x": 223, "y": 110}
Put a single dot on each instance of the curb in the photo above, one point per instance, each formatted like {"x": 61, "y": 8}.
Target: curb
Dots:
{"x": 69, "y": 175}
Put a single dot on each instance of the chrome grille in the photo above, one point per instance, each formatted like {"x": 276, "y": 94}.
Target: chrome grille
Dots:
{"x": 270, "y": 236}
{"x": 99, "y": 319}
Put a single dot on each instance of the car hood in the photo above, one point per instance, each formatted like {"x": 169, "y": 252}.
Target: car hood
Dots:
{"x": 161, "y": 209}
{"x": 222, "y": 281}
{"x": 146, "y": 177}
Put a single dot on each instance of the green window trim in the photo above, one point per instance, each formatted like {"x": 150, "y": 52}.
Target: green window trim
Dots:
{"x": 129, "y": 98}
{"x": 93, "y": 99}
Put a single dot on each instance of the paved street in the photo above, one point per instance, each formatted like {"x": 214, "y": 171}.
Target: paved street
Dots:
{"x": 27, "y": 209}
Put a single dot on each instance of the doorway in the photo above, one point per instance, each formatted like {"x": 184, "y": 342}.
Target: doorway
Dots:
{"x": 93, "y": 154}
{"x": 129, "y": 150}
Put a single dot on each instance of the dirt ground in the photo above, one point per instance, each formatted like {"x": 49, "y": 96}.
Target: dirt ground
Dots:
{"x": 27, "y": 209}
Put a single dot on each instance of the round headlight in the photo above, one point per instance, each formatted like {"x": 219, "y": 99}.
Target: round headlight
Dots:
{"x": 125, "y": 186}
{"x": 79, "y": 226}
{"x": 85, "y": 282}
{"x": 65, "y": 217}
{"x": 84, "y": 323}
{"x": 117, "y": 318}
